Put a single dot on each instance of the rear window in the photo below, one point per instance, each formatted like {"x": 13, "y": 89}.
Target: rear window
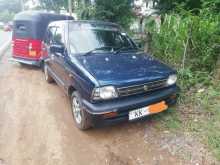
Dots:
{"x": 21, "y": 31}
{"x": 21, "y": 28}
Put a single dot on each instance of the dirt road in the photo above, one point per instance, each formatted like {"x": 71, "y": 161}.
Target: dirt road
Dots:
{"x": 36, "y": 128}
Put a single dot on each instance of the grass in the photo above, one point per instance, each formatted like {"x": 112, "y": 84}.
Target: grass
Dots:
{"x": 168, "y": 120}
{"x": 197, "y": 114}
{"x": 211, "y": 130}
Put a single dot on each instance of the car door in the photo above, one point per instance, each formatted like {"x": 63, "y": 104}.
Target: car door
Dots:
{"x": 49, "y": 41}
{"x": 59, "y": 58}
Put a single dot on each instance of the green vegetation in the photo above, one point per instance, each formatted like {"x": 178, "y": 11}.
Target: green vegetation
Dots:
{"x": 118, "y": 11}
{"x": 189, "y": 39}
{"x": 8, "y": 9}
{"x": 190, "y": 43}
{"x": 12, "y": 6}
{"x": 55, "y": 5}
{"x": 6, "y": 16}
{"x": 207, "y": 126}
{"x": 198, "y": 114}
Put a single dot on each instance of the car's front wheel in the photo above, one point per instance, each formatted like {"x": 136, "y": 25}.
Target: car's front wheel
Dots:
{"x": 81, "y": 117}
{"x": 47, "y": 76}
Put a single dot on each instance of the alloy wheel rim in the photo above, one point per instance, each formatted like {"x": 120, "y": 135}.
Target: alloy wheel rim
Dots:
{"x": 76, "y": 110}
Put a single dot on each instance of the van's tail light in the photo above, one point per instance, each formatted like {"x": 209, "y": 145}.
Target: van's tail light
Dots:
{"x": 31, "y": 51}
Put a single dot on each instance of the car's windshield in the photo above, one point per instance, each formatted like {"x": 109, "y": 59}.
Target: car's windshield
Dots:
{"x": 85, "y": 40}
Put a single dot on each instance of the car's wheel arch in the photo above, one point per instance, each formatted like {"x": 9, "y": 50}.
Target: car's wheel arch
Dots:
{"x": 70, "y": 90}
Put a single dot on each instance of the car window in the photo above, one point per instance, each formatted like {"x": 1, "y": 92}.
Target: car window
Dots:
{"x": 55, "y": 35}
{"x": 21, "y": 30}
{"x": 49, "y": 34}
{"x": 58, "y": 37}
{"x": 84, "y": 40}
{"x": 21, "y": 27}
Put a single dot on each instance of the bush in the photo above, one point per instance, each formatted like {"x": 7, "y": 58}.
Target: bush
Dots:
{"x": 117, "y": 11}
{"x": 188, "y": 42}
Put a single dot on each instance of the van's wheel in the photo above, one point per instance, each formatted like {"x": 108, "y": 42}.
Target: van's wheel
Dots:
{"x": 81, "y": 117}
{"x": 42, "y": 66}
{"x": 47, "y": 75}
{"x": 22, "y": 64}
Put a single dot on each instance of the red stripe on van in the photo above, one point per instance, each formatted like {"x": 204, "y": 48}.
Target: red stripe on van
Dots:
{"x": 21, "y": 48}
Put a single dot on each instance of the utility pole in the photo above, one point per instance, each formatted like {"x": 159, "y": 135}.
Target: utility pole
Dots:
{"x": 22, "y": 5}
{"x": 70, "y": 7}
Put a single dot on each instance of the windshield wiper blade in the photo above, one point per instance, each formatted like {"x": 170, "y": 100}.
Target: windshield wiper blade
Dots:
{"x": 100, "y": 48}
{"x": 124, "y": 48}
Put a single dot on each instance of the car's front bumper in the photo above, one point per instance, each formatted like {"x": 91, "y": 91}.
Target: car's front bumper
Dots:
{"x": 123, "y": 105}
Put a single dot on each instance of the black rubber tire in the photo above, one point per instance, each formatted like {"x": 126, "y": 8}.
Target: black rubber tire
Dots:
{"x": 85, "y": 117}
{"x": 22, "y": 64}
{"x": 42, "y": 66}
{"x": 47, "y": 75}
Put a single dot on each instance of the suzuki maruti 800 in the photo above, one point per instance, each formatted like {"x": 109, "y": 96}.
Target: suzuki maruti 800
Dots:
{"x": 108, "y": 79}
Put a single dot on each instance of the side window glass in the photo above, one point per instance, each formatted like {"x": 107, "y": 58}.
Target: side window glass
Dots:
{"x": 21, "y": 27}
{"x": 49, "y": 36}
{"x": 58, "y": 36}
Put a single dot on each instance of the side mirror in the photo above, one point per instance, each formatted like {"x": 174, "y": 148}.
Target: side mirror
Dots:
{"x": 138, "y": 43}
{"x": 140, "y": 46}
{"x": 57, "y": 49}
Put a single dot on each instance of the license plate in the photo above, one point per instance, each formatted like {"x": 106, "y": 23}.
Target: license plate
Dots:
{"x": 32, "y": 53}
{"x": 145, "y": 111}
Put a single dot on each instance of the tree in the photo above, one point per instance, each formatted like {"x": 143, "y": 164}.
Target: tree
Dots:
{"x": 119, "y": 11}
{"x": 165, "y": 6}
{"x": 6, "y": 16}
{"x": 55, "y": 5}
{"x": 12, "y": 6}
{"x": 84, "y": 9}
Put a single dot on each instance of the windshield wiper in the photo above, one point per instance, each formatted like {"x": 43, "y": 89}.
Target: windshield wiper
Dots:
{"x": 124, "y": 48}
{"x": 100, "y": 48}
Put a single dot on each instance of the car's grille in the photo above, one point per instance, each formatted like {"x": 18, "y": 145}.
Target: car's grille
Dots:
{"x": 143, "y": 88}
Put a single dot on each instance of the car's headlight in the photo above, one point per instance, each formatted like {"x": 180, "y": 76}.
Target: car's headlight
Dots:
{"x": 171, "y": 79}
{"x": 107, "y": 92}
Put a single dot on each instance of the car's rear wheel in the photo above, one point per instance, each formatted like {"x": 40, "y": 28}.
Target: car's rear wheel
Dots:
{"x": 47, "y": 75}
{"x": 81, "y": 117}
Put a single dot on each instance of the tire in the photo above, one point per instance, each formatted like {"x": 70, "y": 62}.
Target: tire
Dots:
{"x": 81, "y": 117}
{"x": 22, "y": 64}
{"x": 47, "y": 75}
{"x": 42, "y": 66}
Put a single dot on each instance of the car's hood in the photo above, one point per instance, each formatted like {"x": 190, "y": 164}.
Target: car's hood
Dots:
{"x": 124, "y": 68}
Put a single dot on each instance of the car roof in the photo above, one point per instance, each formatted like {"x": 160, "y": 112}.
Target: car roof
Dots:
{"x": 36, "y": 21}
{"x": 39, "y": 15}
{"x": 93, "y": 22}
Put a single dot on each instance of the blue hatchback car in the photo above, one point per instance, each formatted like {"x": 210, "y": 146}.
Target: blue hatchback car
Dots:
{"x": 108, "y": 79}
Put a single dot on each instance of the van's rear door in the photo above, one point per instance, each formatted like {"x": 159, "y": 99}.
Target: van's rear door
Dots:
{"x": 25, "y": 44}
